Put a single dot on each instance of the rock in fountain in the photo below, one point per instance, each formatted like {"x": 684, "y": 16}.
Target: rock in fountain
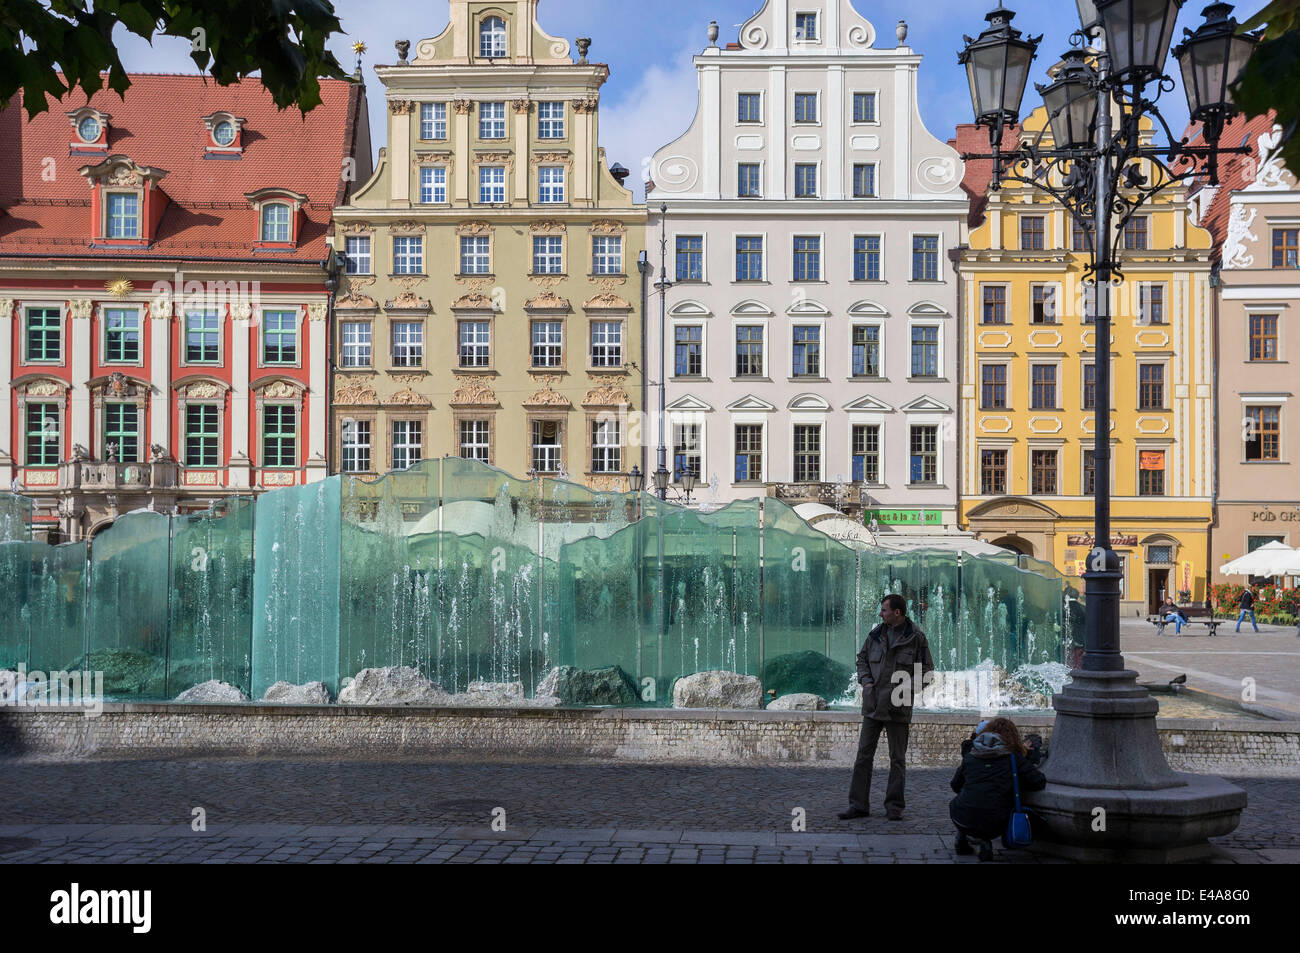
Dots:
{"x": 287, "y": 693}
{"x": 805, "y": 673}
{"x": 212, "y": 692}
{"x": 392, "y": 685}
{"x": 500, "y": 695}
{"x": 718, "y": 690}
{"x": 798, "y": 701}
{"x": 602, "y": 686}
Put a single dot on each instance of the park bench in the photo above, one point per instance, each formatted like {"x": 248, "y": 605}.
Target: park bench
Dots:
{"x": 1194, "y": 614}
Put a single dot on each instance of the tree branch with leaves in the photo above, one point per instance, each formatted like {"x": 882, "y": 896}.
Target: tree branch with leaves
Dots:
{"x": 50, "y": 47}
{"x": 1271, "y": 79}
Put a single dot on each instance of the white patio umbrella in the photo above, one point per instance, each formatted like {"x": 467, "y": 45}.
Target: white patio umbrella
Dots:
{"x": 1264, "y": 561}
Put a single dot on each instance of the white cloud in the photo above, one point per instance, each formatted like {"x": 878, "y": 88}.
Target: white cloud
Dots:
{"x": 653, "y": 113}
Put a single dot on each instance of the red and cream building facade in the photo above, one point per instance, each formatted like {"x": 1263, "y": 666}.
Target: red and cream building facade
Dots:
{"x": 165, "y": 276}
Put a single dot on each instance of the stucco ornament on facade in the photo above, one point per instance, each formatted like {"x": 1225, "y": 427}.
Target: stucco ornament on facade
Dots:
{"x": 81, "y": 307}
{"x": 1269, "y": 174}
{"x": 676, "y": 173}
{"x": 1234, "y": 244}
{"x": 407, "y": 397}
{"x": 472, "y": 392}
{"x": 354, "y": 393}
{"x": 939, "y": 173}
{"x": 606, "y": 395}
{"x": 316, "y": 311}
{"x": 203, "y": 389}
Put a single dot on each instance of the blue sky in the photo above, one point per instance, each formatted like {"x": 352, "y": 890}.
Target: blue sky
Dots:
{"x": 650, "y": 97}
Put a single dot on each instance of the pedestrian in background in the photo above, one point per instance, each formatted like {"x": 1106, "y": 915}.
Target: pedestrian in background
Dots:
{"x": 1247, "y": 609}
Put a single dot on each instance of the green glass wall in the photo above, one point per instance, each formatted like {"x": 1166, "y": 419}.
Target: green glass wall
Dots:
{"x": 467, "y": 573}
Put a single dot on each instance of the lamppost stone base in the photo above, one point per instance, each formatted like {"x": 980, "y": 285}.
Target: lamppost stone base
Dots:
{"x": 1171, "y": 825}
{"x": 1111, "y": 796}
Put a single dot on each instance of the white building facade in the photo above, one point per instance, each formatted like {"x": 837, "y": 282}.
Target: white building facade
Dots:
{"x": 810, "y": 330}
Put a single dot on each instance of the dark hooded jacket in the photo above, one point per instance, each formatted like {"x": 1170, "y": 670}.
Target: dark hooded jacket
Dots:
{"x": 877, "y": 663}
{"x": 985, "y": 796}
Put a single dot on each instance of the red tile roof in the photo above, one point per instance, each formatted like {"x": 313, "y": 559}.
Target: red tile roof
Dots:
{"x": 1235, "y": 171}
{"x": 160, "y": 124}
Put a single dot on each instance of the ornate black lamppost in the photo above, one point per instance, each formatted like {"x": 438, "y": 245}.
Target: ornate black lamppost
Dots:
{"x": 1111, "y": 794}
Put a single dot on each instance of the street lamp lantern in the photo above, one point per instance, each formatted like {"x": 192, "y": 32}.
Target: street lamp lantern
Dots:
{"x": 997, "y": 69}
{"x": 636, "y": 480}
{"x": 662, "y": 479}
{"x": 688, "y": 483}
{"x": 1071, "y": 102}
{"x": 1087, "y": 14}
{"x": 1138, "y": 34}
{"x": 1211, "y": 59}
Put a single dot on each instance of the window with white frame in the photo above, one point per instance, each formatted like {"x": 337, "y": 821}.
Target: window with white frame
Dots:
{"x": 408, "y": 343}
{"x": 749, "y": 180}
{"x": 866, "y": 257}
{"x": 805, "y": 26}
{"x": 408, "y": 254}
{"x": 807, "y": 258}
{"x": 547, "y": 446}
{"x": 1151, "y": 303}
{"x": 475, "y": 256}
{"x": 866, "y": 350}
{"x": 356, "y": 255}
{"x": 866, "y": 453}
{"x": 475, "y": 340}
{"x": 864, "y": 180}
{"x": 547, "y": 343}
{"x": 475, "y": 439}
{"x": 275, "y": 222}
{"x": 807, "y": 453}
{"x": 606, "y": 255}
{"x": 925, "y": 350}
{"x": 433, "y": 184}
{"x": 807, "y": 351}
{"x": 548, "y": 255}
{"x": 607, "y": 344}
{"x": 43, "y": 434}
{"x": 408, "y": 443}
{"x": 492, "y": 38}
{"x": 202, "y": 337}
{"x": 925, "y": 257}
{"x": 749, "y": 257}
{"x": 356, "y": 343}
{"x": 924, "y": 445}
{"x": 355, "y": 444}
{"x": 124, "y": 215}
{"x": 279, "y": 435}
{"x": 550, "y": 120}
{"x": 688, "y": 350}
{"x": 864, "y": 107}
{"x": 686, "y": 450}
{"x": 805, "y": 107}
{"x": 433, "y": 121}
{"x": 492, "y": 184}
{"x": 749, "y": 350}
{"x": 550, "y": 184}
{"x": 749, "y": 452}
{"x": 690, "y": 257}
{"x": 121, "y": 335}
{"x": 606, "y": 447}
{"x": 491, "y": 120}
{"x": 749, "y": 107}
{"x": 805, "y": 180}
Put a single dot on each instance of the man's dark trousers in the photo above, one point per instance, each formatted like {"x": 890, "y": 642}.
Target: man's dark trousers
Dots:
{"x": 860, "y": 784}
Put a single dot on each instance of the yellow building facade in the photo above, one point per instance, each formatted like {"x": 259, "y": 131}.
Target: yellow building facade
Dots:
{"x": 1027, "y": 387}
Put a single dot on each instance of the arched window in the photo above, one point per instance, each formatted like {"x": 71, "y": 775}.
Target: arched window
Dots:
{"x": 275, "y": 223}
{"x": 492, "y": 38}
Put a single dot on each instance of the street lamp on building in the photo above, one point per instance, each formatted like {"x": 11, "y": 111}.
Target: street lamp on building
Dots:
{"x": 1105, "y": 749}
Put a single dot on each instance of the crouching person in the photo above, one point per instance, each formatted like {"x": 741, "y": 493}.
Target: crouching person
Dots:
{"x": 985, "y": 795}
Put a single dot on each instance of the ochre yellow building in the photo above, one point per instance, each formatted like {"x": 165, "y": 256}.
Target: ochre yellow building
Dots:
{"x": 1026, "y": 386}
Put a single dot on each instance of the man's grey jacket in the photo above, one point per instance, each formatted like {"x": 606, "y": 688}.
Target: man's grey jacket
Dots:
{"x": 877, "y": 663}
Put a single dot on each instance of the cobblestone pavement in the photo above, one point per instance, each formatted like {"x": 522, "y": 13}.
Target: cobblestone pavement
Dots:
{"x": 417, "y": 811}
{"x": 1270, "y": 657}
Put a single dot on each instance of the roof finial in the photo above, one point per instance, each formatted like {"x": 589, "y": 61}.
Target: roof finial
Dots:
{"x": 358, "y": 48}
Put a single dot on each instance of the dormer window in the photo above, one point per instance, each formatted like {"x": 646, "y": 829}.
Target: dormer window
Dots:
{"x": 91, "y": 129}
{"x": 127, "y": 201}
{"x": 492, "y": 38}
{"x": 225, "y": 134}
{"x": 275, "y": 222}
{"x": 279, "y": 216}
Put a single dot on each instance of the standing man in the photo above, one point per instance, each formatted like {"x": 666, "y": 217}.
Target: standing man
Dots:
{"x": 895, "y": 653}
{"x": 1247, "y": 608}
